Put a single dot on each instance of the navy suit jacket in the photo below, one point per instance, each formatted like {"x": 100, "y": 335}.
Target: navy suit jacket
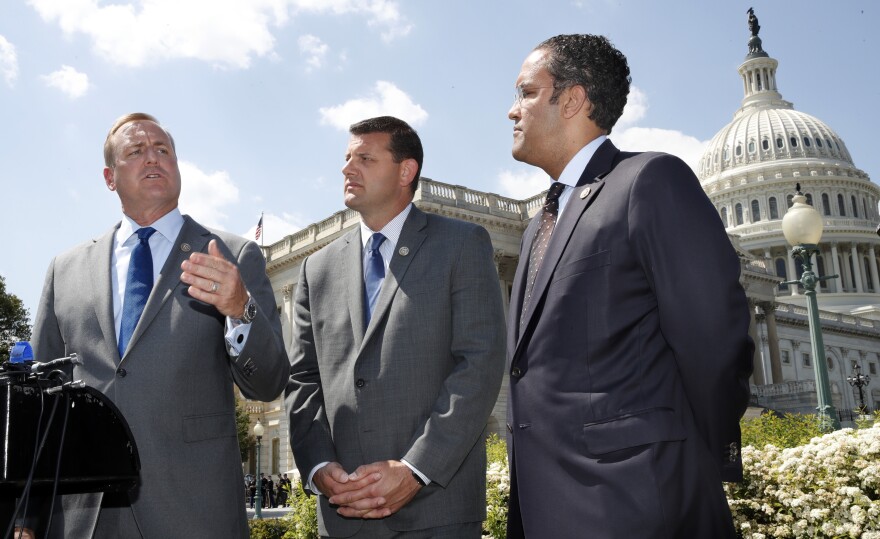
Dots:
{"x": 629, "y": 371}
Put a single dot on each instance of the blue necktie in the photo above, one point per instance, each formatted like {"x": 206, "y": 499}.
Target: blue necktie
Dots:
{"x": 374, "y": 272}
{"x": 137, "y": 288}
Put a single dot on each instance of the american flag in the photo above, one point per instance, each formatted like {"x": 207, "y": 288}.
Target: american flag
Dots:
{"x": 259, "y": 231}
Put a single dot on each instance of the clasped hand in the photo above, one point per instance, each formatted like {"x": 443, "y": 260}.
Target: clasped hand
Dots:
{"x": 374, "y": 490}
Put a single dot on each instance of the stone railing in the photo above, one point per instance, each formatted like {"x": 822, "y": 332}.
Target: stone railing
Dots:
{"x": 479, "y": 201}
{"x": 785, "y": 388}
{"x": 840, "y": 320}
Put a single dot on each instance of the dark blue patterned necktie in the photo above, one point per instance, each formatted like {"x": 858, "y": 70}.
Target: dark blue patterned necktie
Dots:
{"x": 137, "y": 288}
{"x": 374, "y": 273}
{"x": 541, "y": 241}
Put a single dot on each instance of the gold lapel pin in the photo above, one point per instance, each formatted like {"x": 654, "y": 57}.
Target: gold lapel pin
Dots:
{"x": 585, "y": 193}
{"x": 403, "y": 251}
{"x": 185, "y": 247}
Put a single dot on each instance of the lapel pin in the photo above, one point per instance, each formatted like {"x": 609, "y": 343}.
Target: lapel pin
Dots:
{"x": 185, "y": 247}
{"x": 403, "y": 251}
{"x": 585, "y": 193}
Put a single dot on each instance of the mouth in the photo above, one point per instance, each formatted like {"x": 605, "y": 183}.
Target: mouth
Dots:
{"x": 153, "y": 176}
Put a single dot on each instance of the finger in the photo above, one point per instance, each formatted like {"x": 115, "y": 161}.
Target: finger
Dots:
{"x": 349, "y": 497}
{"x": 214, "y": 250}
{"x": 381, "y": 512}
{"x": 362, "y": 505}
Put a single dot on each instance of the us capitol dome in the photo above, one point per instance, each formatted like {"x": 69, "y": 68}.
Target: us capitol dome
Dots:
{"x": 749, "y": 171}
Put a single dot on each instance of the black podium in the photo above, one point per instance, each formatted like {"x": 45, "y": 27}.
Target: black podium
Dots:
{"x": 99, "y": 453}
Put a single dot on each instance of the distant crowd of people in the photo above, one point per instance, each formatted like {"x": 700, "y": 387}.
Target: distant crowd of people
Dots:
{"x": 273, "y": 493}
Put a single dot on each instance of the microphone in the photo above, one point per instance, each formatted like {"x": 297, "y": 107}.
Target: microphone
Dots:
{"x": 72, "y": 359}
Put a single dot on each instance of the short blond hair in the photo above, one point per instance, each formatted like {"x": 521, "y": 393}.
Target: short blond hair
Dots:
{"x": 109, "y": 150}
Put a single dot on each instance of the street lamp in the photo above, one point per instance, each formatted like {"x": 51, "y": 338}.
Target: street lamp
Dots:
{"x": 802, "y": 227}
{"x": 859, "y": 380}
{"x": 258, "y": 432}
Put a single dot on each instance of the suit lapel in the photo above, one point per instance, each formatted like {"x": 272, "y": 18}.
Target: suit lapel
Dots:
{"x": 588, "y": 187}
{"x": 519, "y": 279}
{"x": 192, "y": 237}
{"x": 102, "y": 291}
{"x": 411, "y": 238}
{"x": 353, "y": 276}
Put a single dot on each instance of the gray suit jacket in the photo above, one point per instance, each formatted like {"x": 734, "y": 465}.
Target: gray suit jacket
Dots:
{"x": 418, "y": 383}
{"x": 630, "y": 371}
{"x": 174, "y": 385}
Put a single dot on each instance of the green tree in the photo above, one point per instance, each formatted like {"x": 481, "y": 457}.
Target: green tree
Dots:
{"x": 243, "y": 426}
{"x": 14, "y": 321}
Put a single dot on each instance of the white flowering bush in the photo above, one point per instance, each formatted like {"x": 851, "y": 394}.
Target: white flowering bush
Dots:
{"x": 828, "y": 487}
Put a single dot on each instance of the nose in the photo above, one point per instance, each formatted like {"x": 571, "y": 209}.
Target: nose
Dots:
{"x": 513, "y": 113}
{"x": 347, "y": 170}
{"x": 151, "y": 155}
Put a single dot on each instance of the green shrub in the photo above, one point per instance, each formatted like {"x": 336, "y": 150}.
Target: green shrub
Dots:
{"x": 267, "y": 528}
{"x": 497, "y": 488}
{"x": 788, "y": 430}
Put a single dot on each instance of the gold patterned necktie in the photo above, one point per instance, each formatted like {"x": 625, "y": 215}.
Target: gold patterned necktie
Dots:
{"x": 541, "y": 240}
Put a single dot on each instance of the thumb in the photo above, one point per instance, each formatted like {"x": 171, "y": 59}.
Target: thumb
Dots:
{"x": 214, "y": 249}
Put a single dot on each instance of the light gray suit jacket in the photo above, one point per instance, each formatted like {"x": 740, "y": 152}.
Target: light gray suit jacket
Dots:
{"x": 174, "y": 385}
{"x": 418, "y": 383}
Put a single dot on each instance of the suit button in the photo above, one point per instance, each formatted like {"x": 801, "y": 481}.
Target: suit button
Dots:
{"x": 360, "y": 382}
{"x": 120, "y": 372}
{"x": 516, "y": 372}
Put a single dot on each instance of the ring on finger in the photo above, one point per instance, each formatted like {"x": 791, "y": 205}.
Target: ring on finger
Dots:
{"x": 214, "y": 287}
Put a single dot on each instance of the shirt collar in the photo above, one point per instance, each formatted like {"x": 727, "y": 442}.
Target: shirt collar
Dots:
{"x": 168, "y": 226}
{"x": 391, "y": 231}
{"x": 571, "y": 174}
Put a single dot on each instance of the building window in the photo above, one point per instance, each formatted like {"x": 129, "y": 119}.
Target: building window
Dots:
{"x": 765, "y": 144}
{"x": 818, "y": 142}
{"x": 809, "y": 198}
{"x": 872, "y": 368}
{"x": 806, "y": 142}
{"x": 739, "y": 214}
{"x": 865, "y": 209}
{"x": 867, "y": 274}
{"x": 855, "y": 207}
{"x": 724, "y": 216}
{"x": 726, "y": 153}
{"x": 751, "y": 146}
{"x": 852, "y": 272}
{"x": 774, "y": 211}
{"x": 786, "y": 357}
{"x": 789, "y": 200}
{"x": 826, "y": 204}
{"x": 830, "y": 361}
{"x": 739, "y": 150}
{"x": 276, "y": 454}
{"x": 756, "y": 211}
{"x": 793, "y": 141}
{"x": 779, "y": 142}
{"x": 781, "y": 271}
{"x": 841, "y": 207}
{"x": 807, "y": 361}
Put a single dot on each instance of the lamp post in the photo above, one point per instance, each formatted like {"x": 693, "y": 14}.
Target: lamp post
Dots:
{"x": 859, "y": 381}
{"x": 802, "y": 227}
{"x": 258, "y": 432}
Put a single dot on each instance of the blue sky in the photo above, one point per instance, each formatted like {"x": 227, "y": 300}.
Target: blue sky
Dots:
{"x": 258, "y": 95}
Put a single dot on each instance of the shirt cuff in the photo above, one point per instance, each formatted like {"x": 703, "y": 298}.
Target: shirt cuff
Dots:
{"x": 416, "y": 471}
{"x": 310, "y": 483}
{"x": 236, "y": 335}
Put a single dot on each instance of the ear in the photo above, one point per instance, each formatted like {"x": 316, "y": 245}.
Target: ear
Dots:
{"x": 108, "y": 178}
{"x": 408, "y": 169}
{"x": 575, "y": 101}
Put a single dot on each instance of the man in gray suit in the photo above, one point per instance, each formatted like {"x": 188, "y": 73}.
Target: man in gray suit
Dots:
{"x": 628, "y": 342}
{"x": 167, "y": 353}
{"x": 397, "y": 356}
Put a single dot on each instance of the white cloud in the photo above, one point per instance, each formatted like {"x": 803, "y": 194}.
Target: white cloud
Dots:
{"x": 70, "y": 81}
{"x": 522, "y": 184}
{"x": 275, "y": 227}
{"x": 387, "y": 99}
{"x": 226, "y": 33}
{"x": 315, "y": 50}
{"x": 8, "y": 62}
{"x": 641, "y": 139}
{"x": 204, "y": 196}
{"x": 635, "y": 110}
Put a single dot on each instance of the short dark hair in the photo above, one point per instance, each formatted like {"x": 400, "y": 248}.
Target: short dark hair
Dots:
{"x": 405, "y": 142}
{"x": 594, "y": 63}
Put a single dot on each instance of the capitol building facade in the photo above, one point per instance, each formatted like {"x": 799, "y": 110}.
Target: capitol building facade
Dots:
{"x": 749, "y": 171}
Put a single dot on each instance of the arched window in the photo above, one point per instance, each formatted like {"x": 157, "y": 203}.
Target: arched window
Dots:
{"x": 809, "y": 198}
{"x": 779, "y": 142}
{"x": 774, "y": 211}
{"x": 739, "y": 150}
{"x": 818, "y": 142}
{"x": 789, "y": 200}
{"x": 765, "y": 144}
{"x": 841, "y": 207}
{"x": 865, "y": 208}
{"x": 852, "y": 272}
{"x": 724, "y": 216}
{"x": 751, "y": 146}
{"x": 793, "y": 141}
{"x": 855, "y": 206}
{"x": 806, "y": 142}
{"x": 781, "y": 272}
{"x": 826, "y": 203}
{"x": 739, "y": 214}
{"x": 756, "y": 211}
{"x": 868, "y": 273}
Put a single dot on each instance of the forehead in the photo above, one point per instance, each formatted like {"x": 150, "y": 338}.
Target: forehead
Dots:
{"x": 369, "y": 142}
{"x": 533, "y": 70}
{"x": 140, "y": 132}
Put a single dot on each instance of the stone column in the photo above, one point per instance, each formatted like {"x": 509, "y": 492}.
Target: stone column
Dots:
{"x": 757, "y": 366}
{"x": 287, "y": 313}
{"x": 872, "y": 261}
{"x": 856, "y": 263}
{"x": 769, "y": 309}
{"x": 835, "y": 264}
